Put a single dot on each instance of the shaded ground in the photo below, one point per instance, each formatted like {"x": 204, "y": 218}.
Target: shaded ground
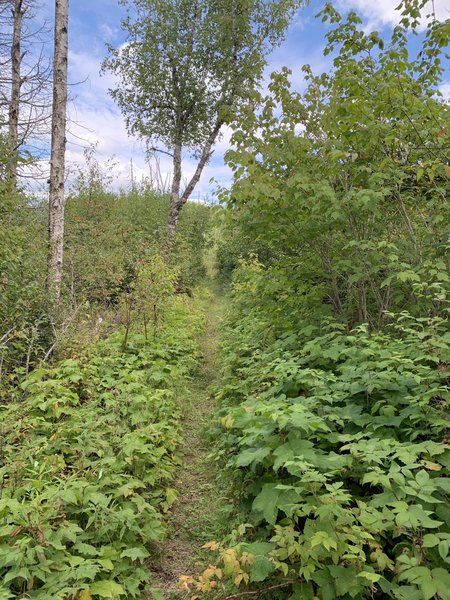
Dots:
{"x": 193, "y": 519}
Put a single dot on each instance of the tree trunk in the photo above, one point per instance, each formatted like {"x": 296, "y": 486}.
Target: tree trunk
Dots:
{"x": 14, "y": 104}
{"x": 174, "y": 210}
{"x": 57, "y": 158}
{"x": 177, "y": 201}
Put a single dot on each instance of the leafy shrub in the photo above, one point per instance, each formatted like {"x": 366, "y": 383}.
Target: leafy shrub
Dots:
{"x": 25, "y": 325}
{"x": 108, "y": 234}
{"x": 333, "y": 427}
{"x": 87, "y": 455}
{"x": 337, "y": 446}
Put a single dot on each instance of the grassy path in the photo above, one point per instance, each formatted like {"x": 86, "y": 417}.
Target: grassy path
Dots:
{"x": 193, "y": 519}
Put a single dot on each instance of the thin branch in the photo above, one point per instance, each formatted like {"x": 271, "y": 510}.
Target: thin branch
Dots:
{"x": 257, "y": 592}
{"x": 153, "y": 149}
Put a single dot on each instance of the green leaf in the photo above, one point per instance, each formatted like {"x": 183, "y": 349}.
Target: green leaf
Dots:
{"x": 260, "y": 568}
{"x": 443, "y": 548}
{"x": 430, "y": 540}
{"x": 107, "y": 589}
{"x": 135, "y": 553}
{"x": 324, "y": 539}
{"x": 429, "y": 589}
{"x": 251, "y": 455}
{"x": 302, "y": 591}
{"x": 266, "y": 502}
{"x": 106, "y": 563}
{"x": 297, "y": 448}
{"x": 259, "y": 548}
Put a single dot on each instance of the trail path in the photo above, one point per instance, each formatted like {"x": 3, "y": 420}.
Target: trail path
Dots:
{"x": 193, "y": 518}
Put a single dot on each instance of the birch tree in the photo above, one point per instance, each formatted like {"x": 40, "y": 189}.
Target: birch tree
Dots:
{"x": 25, "y": 83}
{"x": 13, "y": 126}
{"x": 58, "y": 148}
{"x": 186, "y": 67}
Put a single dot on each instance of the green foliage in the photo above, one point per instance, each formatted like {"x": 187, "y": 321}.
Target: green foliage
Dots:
{"x": 347, "y": 183}
{"x": 336, "y": 444}
{"x": 25, "y": 330}
{"x": 334, "y": 408}
{"x": 150, "y": 294}
{"x": 188, "y": 65}
{"x": 108, "y": 235}
{"x": 88, "y": 451}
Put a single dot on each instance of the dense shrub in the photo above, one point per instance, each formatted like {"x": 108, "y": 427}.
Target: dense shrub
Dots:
{"x": 88, "y": 451}
{"x": 336, "y": 445}
{"x": 333, "y": 426}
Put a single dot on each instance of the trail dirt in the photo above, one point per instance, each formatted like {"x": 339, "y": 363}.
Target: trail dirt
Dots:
{"x": 193, "y": 518}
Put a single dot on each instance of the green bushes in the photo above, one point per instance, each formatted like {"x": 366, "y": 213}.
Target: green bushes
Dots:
{"x": 333, "y": 426}
{"x": 87, "y": 455}
{"x": 345, "y": 185}
{"x": 109, "y": 234}
{"x": 335, "y": 442}
{"x": 25, "y": 328}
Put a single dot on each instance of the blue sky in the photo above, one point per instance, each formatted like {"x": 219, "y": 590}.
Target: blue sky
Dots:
{"x": 94, "y": 119}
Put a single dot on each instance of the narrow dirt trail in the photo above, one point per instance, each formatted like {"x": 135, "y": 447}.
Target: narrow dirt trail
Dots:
{"x": 193, "y": 518}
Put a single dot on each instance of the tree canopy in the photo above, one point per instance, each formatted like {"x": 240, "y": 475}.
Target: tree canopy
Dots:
{"x": 187, "y": 66}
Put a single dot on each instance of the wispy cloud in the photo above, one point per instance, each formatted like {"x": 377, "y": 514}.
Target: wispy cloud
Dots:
{"x": 381, "y": 13}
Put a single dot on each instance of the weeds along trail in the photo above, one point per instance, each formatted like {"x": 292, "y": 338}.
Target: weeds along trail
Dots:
{"x": 193, "y": 518}
{"x": 89, "y": 456}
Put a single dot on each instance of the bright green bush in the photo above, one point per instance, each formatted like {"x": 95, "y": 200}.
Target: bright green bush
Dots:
{"x": 345, "y": 185}
{"x": 88, "y": 451}
{"x": 335, "y": 442}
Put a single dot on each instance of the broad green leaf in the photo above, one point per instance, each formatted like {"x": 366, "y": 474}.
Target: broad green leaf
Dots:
{"x": 107, "y": 589}
{"x": 260, "y": 568}
{"x": 266, "y": 502}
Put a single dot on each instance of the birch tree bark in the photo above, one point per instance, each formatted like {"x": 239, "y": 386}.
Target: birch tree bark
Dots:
{"x": 174, "y": 209}
{"x": 18, "y": 11}
{"x": 58, "y": 149}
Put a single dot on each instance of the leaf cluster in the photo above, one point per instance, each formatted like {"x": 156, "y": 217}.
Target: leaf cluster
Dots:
{"x": 187, "y": 65}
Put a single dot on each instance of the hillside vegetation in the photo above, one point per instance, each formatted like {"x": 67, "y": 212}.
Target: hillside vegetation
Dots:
{"x": 322, "y": 471}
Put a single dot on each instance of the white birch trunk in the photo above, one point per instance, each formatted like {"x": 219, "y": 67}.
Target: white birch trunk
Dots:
{"x": 14, "y": 103}
{"x": 177, "y": 201}
{"x": 57, "y": 158}
{"x": 174, "y": 210}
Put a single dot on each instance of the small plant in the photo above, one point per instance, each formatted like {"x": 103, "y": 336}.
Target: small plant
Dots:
{"x": 149, "y": 295}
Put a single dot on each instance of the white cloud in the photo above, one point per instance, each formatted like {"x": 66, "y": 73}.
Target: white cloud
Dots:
{"x": 445, "y": 91}
{"x": 109, "y": 33}
{"x": 380, "y": 13}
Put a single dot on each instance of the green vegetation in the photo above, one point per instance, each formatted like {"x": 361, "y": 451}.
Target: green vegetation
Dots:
{"x": 323, "y": 471}
{"x": 185, "y": 69}
{"x": 108, "y": 238}
{"x": 333, "y": 419}
{"x": 89, "y": 450}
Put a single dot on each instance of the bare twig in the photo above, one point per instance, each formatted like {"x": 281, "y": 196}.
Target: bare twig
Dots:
{"x": 154, "y": 149}
{"x": 258, "y": 592}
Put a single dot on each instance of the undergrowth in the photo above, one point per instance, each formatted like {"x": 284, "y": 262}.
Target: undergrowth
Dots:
{"x": 336, "y": 446}
{"x": 87, "y": 456}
